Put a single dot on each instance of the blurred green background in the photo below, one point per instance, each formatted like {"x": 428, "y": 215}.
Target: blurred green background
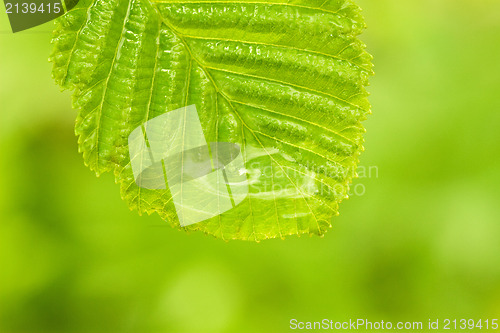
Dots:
{"x": 422, "y": 242}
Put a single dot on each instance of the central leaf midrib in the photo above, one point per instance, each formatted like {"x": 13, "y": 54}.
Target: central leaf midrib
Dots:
{"x": 205, "y": 70}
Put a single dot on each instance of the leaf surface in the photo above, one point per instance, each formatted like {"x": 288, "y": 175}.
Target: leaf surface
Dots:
{"x": 285, "y": 80}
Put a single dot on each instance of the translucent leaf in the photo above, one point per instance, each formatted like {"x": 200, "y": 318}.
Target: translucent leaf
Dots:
{"x": 280, "y": 83}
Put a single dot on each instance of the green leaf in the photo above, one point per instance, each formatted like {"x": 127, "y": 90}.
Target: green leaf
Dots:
{"x": 285, "y": 80}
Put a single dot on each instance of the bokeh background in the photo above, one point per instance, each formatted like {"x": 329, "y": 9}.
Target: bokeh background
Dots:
{"x": 423, "y": 241}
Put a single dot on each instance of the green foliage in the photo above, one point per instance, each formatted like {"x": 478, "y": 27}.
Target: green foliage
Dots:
{"x": 286, "y": 79}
